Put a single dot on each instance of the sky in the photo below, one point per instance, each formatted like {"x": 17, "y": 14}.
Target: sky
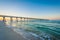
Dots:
{"x": 44, "y": 9}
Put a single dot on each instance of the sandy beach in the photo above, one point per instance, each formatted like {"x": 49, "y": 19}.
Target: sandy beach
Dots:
{"x": 8, "y": 34}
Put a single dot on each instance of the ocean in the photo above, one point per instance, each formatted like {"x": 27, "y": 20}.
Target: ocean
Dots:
{"x": 40, "y": 30}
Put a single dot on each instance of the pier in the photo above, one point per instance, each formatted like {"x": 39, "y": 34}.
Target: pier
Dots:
{"x": 21, "y": 18}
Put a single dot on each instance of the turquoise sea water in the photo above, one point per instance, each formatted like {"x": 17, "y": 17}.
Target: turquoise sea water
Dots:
{"x": 45, "y": 30}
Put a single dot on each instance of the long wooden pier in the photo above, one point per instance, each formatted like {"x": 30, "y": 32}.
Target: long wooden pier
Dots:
{"x": 27, "y": 18}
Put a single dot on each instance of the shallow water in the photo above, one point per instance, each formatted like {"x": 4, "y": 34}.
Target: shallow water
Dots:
{"x": 42, "y": 30}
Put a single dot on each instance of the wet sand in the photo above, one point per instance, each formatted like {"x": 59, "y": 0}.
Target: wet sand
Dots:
{"x": 8, "y": 34}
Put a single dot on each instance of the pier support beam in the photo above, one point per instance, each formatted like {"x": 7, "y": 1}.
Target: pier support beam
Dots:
{"x": 21, "y": 19}
{"x": 3, "y": 19}
{"x": 16, "y": 19}
{"x": 11, "y": 19}
{"x": 24, "y": 19}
